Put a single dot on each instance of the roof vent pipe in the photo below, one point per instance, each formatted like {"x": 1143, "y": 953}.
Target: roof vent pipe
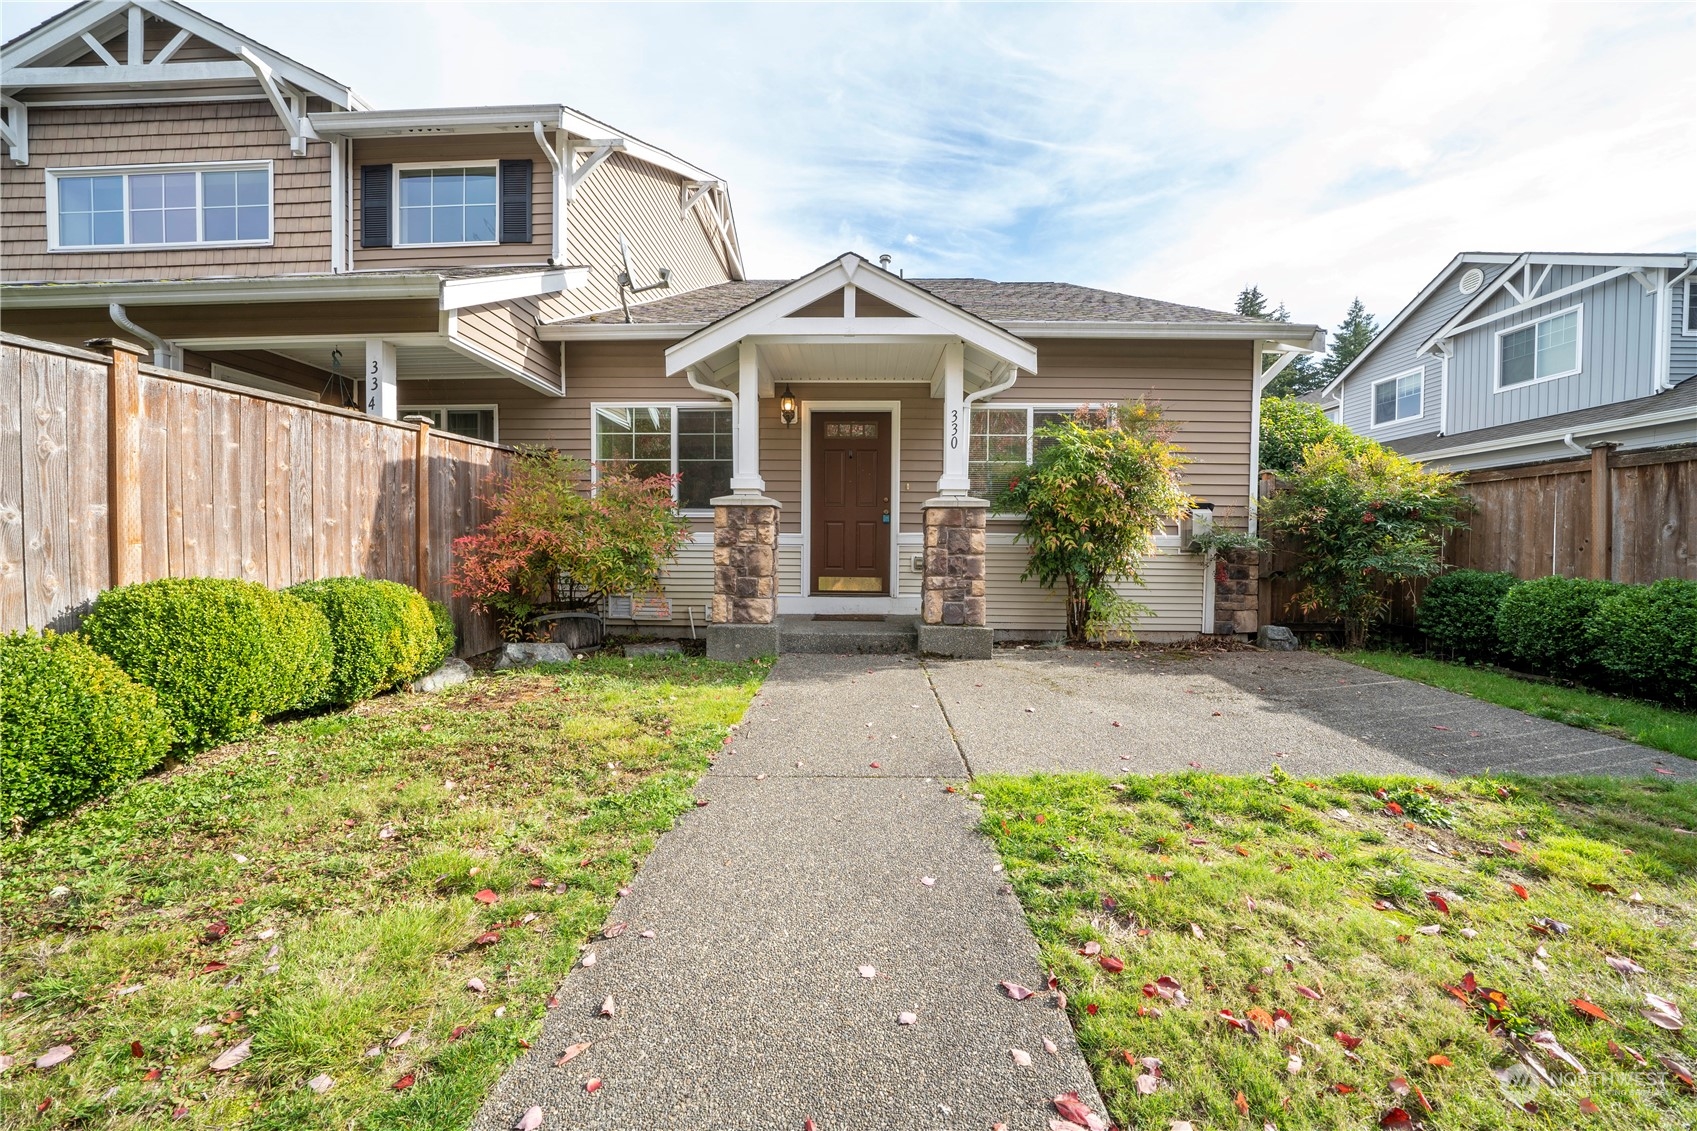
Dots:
{"x": 884, "y": 260}
{"x": 162, "y": 350}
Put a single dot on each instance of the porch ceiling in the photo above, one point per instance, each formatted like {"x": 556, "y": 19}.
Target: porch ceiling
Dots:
{"x": 417, "y": 357}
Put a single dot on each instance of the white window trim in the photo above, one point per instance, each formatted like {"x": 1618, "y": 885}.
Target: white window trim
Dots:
{"x": 1578, "y": 350}
{"x": 1685, "y": 326}
{"x": 125, "y": 171}
{"x": 494, "y": 411}
{"x": 595, "y": 408}
{"x": 1030, "y": 408}
{"x": 1395, "y": 420}
{"x": 395, "y": 196}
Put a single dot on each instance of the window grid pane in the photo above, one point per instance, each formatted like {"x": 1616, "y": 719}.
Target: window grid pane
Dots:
{"x": 447, "y": 206}
{"x": 91, "y": 211}
{"x": 704, "y": 456}
{"x": 634, "y": 441}
{"x": 997, "y": 449}
{"x": 187, "y": 207}
{"x": 1517, "y": 357}
{"x": 1558, "y": 345}
{"x": 1384, "y": 402}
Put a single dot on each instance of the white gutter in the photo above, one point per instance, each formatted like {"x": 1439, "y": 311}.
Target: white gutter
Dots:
{"x": 988, "y": 391}
{"x": 556, "y": 253}
{"x": 54, "y": 296}
{"x": 711, "y": 390}
{"x": 1314, "y": 342}
{"x": 1562, "y": 435}
{"x": 163, "y": 352}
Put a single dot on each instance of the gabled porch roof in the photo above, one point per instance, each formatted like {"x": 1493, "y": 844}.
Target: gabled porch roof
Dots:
{"x": 905, "y": 336}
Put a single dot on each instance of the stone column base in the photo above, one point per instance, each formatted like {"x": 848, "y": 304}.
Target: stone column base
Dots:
{"x": 739, "y": 642}
{"x": 953, "y": 592}
{"x": 956, "y": 641}
{"x": 745, "y": 560}
{"x": 1237, "y": 593}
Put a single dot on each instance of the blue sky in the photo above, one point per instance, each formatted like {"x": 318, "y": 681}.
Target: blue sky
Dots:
{"x": 1174, "y": 151}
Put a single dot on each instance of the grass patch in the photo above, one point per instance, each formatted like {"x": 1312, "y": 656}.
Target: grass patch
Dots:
{"x": 1243, "y": 889}
{"x": 344, "y": 854}
{"x": 1663, "y": 728}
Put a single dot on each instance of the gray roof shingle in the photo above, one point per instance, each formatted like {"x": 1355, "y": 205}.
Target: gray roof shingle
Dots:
{"x": 996, "y": 302}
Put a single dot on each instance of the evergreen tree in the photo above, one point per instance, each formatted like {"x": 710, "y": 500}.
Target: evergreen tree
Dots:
{"x": 1354, "y": 333}
{"x": 1251, "y": 303}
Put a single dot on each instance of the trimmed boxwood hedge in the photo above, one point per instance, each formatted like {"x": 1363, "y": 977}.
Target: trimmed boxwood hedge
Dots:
{"x": 223, "y": 655}
{"x": 445, "y": 639}
{"x": 72, "y": 726}
{"x": 1458, "y": 612}
{"x": 1643, "y": 640}
{"x": 1541, "y": 624}
{"x": 384, "y": 634}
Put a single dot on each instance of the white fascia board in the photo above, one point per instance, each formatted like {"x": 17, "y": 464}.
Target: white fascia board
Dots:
{"x": 496, "y": 119}
{"x": 148, "y": 75}
{"x": 1625, "y": 423}
{"x": 460, "y": 293}
{"x": 213, "y": 291}
{"x": 616, "y": 331}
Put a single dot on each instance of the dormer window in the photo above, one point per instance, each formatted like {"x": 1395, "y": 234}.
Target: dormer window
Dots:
{"x": 161, "y": 206}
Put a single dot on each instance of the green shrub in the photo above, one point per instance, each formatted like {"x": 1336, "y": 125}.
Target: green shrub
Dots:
{"x": 445, "y": 638}
{"x": 1644, "y": 640}
{"x": 72, "y": 726}
{"x": 223, "y": 655}
{"x": 1458, "y": 612}
{"x": 1289, "y": 427}
{"x": 1541, "y": 623}
{"x": 384, "y": 633}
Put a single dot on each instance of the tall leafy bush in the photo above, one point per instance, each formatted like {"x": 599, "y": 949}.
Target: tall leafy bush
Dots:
{"x": 555, "y": 544}
{"x": 1289, "y": 427}
{"x": 383, "y": 634}
{"x": 1643, "y": 640}
{"x": 1458, "y": 612}
{"x": 223, "y": 655}
{"x": 1541, "y": 624}
{"x": 1102, "y": 485}
{"x": 1364, "y": 517}
{"x": 72, "y": 726}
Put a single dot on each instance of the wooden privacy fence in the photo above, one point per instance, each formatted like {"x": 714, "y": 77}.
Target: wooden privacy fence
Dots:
{"x": 1623, "y": 516}
{"x": 112, "y": 472}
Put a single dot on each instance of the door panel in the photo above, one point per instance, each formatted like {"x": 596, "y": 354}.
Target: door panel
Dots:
{"x": 851, "y": 503}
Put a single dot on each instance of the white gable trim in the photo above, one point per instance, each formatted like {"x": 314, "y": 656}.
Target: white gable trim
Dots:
{"x": 932, "y": 317}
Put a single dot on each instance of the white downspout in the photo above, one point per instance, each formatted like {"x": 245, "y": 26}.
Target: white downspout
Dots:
{"x": 163, "y": 352}
{"x": 556, "y": 255}
{"x": 1664, "y": 335}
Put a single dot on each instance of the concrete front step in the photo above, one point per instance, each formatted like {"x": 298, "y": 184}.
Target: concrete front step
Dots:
{"x": 892, "y": 636}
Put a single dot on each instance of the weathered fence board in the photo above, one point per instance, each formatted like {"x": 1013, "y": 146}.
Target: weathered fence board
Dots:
{"x": 113, "y": 472}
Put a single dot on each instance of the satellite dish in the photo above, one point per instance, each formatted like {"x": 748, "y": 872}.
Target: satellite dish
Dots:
{"x": 627, "y": 278}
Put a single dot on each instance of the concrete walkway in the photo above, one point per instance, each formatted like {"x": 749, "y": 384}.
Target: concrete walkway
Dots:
{"x": 746, "y": 1010}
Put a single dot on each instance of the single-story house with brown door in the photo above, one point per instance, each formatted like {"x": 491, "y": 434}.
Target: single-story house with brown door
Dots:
{"x": 838, "y": 437}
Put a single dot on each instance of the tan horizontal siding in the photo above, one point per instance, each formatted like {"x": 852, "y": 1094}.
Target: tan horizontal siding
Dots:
{"x": 446, "y": 150}
{"x": 68, "y": 138}
{"x": 508, "y": 331}
{"x": 628, "y": 197}
{"x": 1172, "y": 592}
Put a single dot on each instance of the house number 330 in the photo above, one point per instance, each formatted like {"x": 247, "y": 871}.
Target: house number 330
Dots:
{"x": 954, "y": 428}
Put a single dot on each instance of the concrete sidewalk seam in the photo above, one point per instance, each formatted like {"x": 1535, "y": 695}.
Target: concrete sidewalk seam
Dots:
{"x": 947, "y": 721}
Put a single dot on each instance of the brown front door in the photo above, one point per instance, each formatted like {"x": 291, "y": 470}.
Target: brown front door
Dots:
{"x": 851, "y": 502}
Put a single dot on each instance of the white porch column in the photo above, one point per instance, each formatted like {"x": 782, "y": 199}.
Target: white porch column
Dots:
{"x": 957, "y": 423}
{"x": 745, "y": 453}
{"x": 381, "y": 397}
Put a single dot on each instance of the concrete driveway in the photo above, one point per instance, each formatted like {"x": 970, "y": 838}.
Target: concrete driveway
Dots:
{"x": 1240, "y": 712}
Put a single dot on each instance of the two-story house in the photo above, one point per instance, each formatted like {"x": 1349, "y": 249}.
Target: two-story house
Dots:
{"x": 529, "y": 275}
{"x": 1518, "y": 358}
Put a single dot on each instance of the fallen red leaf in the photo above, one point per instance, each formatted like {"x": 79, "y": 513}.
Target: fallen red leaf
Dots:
{"x": 1518, "y": 890}
{"x": 1240, "y": 850}
{"x": 1399, "y": 1085}
{"x": 1590, "y": 1010}
{"x": 1016, "y": 991}
{"x": 1438, "y": 901}
{"x": 592, "y": 1085}
{"x": 1588, "y": 1106}
{"x": 405, "y": 1082}
{"x": 1438, "y": 1060}
{"x": 44, "y": 1105}
{"x": 1347, "y": 1041}
{"x": 486, "y": 896}
{"x": 1111, "y": 964}
{"x": 1242, "y": 1104}
{"x": 1659, "y": 770}
{"x": 1074, "y": 1110}
{"x": 1421, "y": 1096}
{"x": 459, "y": 1031}
{"x": 1310, "y": 994}
{"x": 1260, "y": 1016}
{"x": 1342, "y": 1089}
{"x": 553, "y": 1001}
{"x": 135, "y": 1049}
{"x": 214, "y": 967}
{"x": 1393, "y": 807}
{"x": 487, "y": 938}
{"x": 152, "y": 1074}
{"x": 1091, "y": 1009}
{"x": 217, "y": 931}
{"x": 1396, "y": 1119}
{"x": 537, "y": 881}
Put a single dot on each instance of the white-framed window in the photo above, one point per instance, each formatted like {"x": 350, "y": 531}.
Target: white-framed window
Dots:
{"x": 478, "y": 421}
{"x": 1398, "y": 398}
{"x": 1003, "y": 442}
{"x": 446, "y": 205}
{"x": 691, "y": 441}
{"x": 1690, "y": 311}
{"x": 159, "y": 206}
{"x": 1540, "y": 350}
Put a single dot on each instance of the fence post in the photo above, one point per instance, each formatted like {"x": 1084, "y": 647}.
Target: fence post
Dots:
{"x": 1602, "y": 518}
{"x": 123, "y": 459}
{"x": 421, "y": 500}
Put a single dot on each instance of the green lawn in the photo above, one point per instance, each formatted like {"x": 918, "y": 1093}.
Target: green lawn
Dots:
{"x": 1248, "y": 891}
{"x": 316, "y": 892}
{"x": 1660, "y": 727}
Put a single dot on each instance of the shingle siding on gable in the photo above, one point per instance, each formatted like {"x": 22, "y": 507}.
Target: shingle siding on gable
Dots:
{"x": 1396, "y": 355}
{"x": 1617, "y": 334}
{"x": 158, "y": 134}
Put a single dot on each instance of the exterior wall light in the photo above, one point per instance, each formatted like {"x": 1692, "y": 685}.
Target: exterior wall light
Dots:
{"x": 788, "y": 410}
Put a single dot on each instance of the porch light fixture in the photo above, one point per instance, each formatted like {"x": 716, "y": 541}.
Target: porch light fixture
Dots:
{"x": 787, "y": 408}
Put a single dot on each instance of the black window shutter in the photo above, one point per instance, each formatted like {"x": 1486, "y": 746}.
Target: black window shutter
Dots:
{"x": 376, "y": 224}
{"x": 515, "y": 201}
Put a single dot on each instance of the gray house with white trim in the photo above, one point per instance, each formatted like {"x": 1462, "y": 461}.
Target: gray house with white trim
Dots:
{"x": 1516, "y": 358}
